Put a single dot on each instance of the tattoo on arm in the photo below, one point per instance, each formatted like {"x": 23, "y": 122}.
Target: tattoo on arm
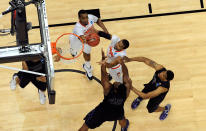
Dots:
{"x": 153, "y": 64}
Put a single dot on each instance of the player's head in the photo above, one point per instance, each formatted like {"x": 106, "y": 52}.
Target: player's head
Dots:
{"x": 122, "y": 44}
{"x": 168, "y": 75}
{"x": 83, "y": 17}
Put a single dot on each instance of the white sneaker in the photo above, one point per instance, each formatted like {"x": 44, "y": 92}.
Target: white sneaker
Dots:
{"x": 42, "y": 97}
{"x": 13, "y": 82}
{"x": 73, "y": 52}
{"x": 88, "y": 72}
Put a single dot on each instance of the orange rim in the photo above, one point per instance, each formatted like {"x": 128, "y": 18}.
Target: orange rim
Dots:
{"x": 66, "y": 57}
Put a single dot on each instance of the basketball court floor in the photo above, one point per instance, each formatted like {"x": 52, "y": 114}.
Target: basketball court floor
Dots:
{"x": 175, "y": 41}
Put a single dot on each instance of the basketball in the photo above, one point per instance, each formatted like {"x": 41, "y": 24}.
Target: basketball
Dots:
{"x": 93, "y": 39}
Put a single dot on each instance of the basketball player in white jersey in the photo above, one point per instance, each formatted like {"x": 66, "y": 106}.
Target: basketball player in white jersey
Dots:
{"x": 82, "y": 28}
{"x": 116, "y": 49}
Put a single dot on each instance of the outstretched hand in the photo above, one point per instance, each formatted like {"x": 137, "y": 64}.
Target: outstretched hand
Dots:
{"x": 103, "y": 62}
{"x": 104, "y": 59}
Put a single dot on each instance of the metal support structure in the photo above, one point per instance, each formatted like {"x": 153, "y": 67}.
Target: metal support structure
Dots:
{"x": 13, "y": 54}
{"x": 21, "y": 27}
{"x": 25, "y": 51}
{"x": 45, "y": 38}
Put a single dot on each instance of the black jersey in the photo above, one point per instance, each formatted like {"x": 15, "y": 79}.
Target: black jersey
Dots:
{"x": 38, "y": 66}
{"x": 156, "y": 82}
{"x": 111, "y": 109}
{"x": 116, "y": 97}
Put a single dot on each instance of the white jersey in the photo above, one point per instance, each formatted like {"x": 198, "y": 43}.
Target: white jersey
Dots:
{"x": 112, "y": 54}
{"x": 80, "y": 29}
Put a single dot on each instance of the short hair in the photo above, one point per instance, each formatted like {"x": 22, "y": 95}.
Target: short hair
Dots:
{"x": 82, "y": 12}
{"x": 125, "y": 43}
{"x": 170, "y": 75}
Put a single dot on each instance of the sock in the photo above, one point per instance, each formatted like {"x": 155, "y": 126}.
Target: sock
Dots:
{"x": 87, "y": 63}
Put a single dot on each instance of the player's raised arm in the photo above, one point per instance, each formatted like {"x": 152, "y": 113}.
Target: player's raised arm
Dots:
{"x": 147, "y": 61}
{"x": 151, "y": 94}
{"x": 104, "y": 76}
{"x": 101, "y": 24}
{"x": 126, "y": 78}
{"x": 116, "y": 61}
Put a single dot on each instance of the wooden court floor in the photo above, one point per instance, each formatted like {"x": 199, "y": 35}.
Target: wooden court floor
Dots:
{"x": 177, "y": 42}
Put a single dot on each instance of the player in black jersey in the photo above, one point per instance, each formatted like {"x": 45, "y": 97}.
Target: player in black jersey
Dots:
{"x": 112, "y": 107}
{"x": 23, "y": 79}
{"x": 156, "y": 89}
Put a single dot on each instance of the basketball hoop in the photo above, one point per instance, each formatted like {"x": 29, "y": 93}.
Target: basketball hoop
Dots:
{"x": 61, "y": 47}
